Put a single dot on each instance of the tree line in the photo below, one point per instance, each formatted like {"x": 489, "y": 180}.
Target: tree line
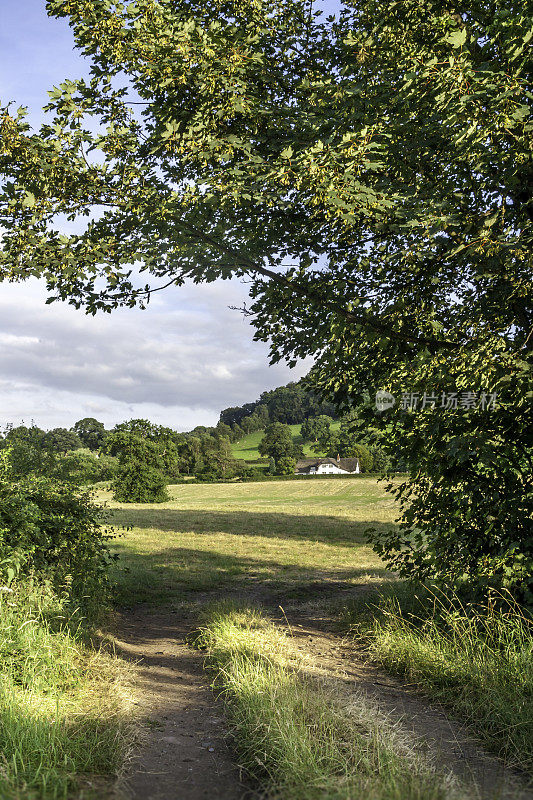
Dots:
{"x": 140, "y": 458}
{"x": 291, "y": 405}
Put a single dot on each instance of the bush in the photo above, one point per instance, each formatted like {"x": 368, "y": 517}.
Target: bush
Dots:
{"x": 48, "y": 527}
{"x": 137, "y": 482}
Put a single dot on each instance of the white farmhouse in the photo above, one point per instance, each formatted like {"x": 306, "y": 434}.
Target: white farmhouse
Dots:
{"x": 327, "y": 466}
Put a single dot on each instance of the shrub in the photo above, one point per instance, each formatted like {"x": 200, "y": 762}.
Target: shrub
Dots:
{"x": 51, "y": 528}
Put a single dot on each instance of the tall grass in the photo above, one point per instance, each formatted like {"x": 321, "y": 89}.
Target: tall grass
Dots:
{"x": 63, "y": 720}
{"x": 294, "y": 737}
{"x": 477, "y": 659}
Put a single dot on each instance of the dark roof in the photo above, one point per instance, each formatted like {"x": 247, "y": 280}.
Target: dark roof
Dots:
{"x": 348, "y": 464}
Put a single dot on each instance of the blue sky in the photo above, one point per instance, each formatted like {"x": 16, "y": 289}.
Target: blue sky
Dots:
{"x": 179, "y": 362}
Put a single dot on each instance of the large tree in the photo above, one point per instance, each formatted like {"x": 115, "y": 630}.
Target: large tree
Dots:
{"x": 278, "y": 443}
{"x": 371, "y": 176}
{"x": 91, "y": 432}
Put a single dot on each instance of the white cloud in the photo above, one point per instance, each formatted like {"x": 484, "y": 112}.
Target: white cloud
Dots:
{"x": 179, "y": 362}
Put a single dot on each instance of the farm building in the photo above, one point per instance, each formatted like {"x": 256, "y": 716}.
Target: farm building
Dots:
{"x": 327, "y": 466}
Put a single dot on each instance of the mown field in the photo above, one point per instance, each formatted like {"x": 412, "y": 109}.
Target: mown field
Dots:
{"x": 294, "y": 539}
{"x": 246, "y": 448}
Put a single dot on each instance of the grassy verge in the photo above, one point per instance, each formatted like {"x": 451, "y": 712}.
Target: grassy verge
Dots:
{"x": 63, "y": 723}
{"x": 294, "y": 736}
{"x": 478, "y": 660}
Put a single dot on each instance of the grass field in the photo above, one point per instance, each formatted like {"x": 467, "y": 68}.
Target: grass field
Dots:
{"x": 296, "y": 539}
{"x": 246, "y": 448}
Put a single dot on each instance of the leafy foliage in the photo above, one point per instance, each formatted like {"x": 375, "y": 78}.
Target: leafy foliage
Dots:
{"x": 290, "y": 405}
{"x": 278, "y": 444}
{"x": 91, "y": 432}
{"x": 138, "y": 482}
{"x": 139, "y": 478}
{"x": 49, "y": 528}
{"x": 371, "y": 176}
{"x": 316, "y": 428}
{"x": 61, "y": 440}
{"x": 84, "y": 467}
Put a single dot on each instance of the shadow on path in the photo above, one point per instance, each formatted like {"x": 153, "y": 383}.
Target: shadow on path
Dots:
{"x": 183, "y": 753}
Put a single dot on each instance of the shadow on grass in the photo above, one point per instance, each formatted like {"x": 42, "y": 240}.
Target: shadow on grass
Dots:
{"x": 174, "y": 572}
{"x": 330, "y": 530}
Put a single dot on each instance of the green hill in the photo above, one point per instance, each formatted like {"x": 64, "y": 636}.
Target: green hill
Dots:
{"x": 246, "y": 448}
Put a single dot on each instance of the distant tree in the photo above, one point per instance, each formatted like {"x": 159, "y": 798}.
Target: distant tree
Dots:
{"x": 139, "y": 477}
{"x": 225, "y": 430}
{"x": 137, "y": 482}
{"x": 381, "y": 459}
{"x": 285, "y": 465}
{"x": 84, "y": 467}
{"x": 91, "y": 432}
{"x": 261, "y": 412}
{"x": 316, "y": 428}
{"x": 61, "y": 440}
{"x": 234, "y": 415}
{"x": 163, "y": 439}
{"x": 252, "y": 423}
{"x": 277, "y": 442}
{"x": 189, "y": 453}
{"x": 29, "y": 451}
{"x": 238, "y": 433}
{"x": 287, "y": 404}
{"x": 290, "y": 404}
{"x": 217, "y": 457}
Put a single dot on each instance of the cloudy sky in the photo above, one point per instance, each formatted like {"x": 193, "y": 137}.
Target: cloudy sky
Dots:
{"x": 178, "y": 363}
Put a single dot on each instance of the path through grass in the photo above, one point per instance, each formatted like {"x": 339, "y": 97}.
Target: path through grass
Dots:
{"x": 293, "y": 734}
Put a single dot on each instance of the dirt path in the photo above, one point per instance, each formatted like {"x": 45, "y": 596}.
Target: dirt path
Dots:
{"x": 450, "y": 746}
{"x": 182, "y": 754}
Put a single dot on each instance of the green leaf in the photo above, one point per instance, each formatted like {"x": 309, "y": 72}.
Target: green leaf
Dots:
{"x": 29, "y": 200}
{"x": 457, "y": 38}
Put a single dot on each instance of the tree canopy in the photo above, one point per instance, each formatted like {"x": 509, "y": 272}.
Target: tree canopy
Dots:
{"x": 278, "y": 443}
{"x": 370, "y": 175}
